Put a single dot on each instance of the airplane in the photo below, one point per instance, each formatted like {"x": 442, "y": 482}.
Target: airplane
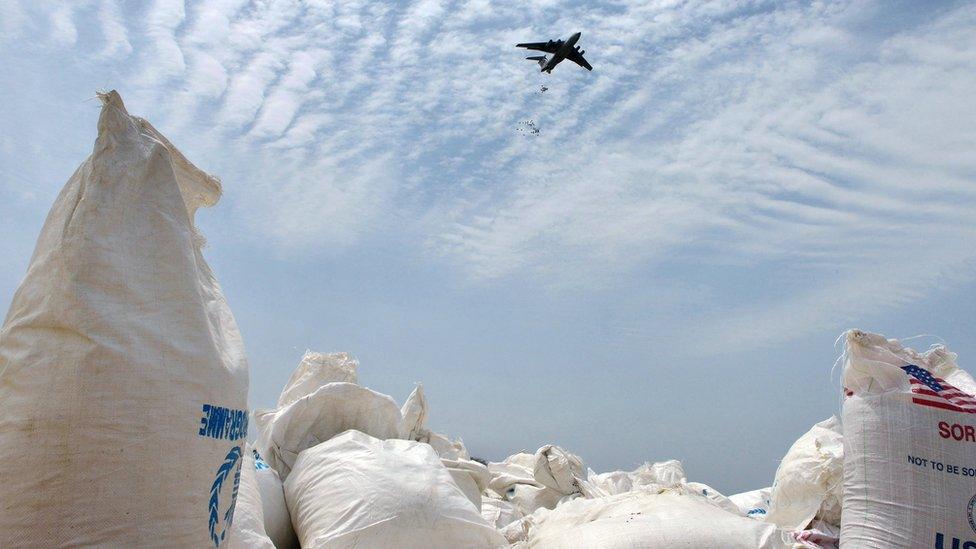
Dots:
{"x": 560, "y": 50}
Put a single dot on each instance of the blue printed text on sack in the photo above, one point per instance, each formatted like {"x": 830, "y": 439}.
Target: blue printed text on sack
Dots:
{"x": 941, "y": 543}
{"x": 223, "y": 423}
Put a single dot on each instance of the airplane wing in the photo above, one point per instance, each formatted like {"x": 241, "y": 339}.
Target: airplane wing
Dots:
{"x": 548, "y": 47}
{"x": 575, "y": 57}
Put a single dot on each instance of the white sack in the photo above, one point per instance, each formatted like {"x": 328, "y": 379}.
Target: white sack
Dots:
{"x": 467, "y": 485}
{"x": 909, "y": 477}
{"x": 515, "y": 469}
{"x": 717, "y": 498}
{"x": 316, "y": 370}
{"x": 470, "y": 476}
{"x": 277, "y": 521}
{"x": 444, "y": 446}
{"x": 539, "y": 480}
{"x": 317, "y": 417}
{"x": 498, "y": 512}
{"x": 262, "y": 419}
{"x": 754, "y": 503}
{"x": 248, "y": 529}
{"x": 528, "y": 498}
{"x": 606, "y": 484}
{"x": 413, "y": 427}
{"x": 477, "y": 471}
{"x": 647, "y": 476}
{"x": 123, "y": 379}
{"x": 558, "y": 469}
{"x": 809, "y": 481}
{"x": 666, "y": 473}
{"x": 414, "y": 415}
{"x": 357, "y": 491}
{"x": 674, "y": 518}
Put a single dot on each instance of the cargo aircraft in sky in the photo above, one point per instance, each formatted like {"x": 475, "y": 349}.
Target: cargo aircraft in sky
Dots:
{"x": 560, "y": 50}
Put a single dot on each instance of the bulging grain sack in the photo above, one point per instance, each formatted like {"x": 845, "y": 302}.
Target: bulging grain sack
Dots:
{"x": 317, "y": 417}
{"x": 358, "y": 491}
{"x": 316, "y": 370}
{"x": 556, "y": 474}
{"x": 909, "y": 447}
{"x": 810, "y": 479}
{"x": 669, "y": 518}
{"x": 277, "y": 521}
{"x": 539, "y": 480}
{"x": 123, "y": 380}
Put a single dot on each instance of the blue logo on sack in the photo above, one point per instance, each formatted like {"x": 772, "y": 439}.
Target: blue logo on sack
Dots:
{"x": 231, "y": 463}
{"x": 259, "y": 462}
{"x": 222, "y": 423}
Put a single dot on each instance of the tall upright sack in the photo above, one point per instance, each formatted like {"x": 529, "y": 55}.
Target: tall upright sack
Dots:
{"x": 123, "y": 381}
{"x": 909, "y": 447}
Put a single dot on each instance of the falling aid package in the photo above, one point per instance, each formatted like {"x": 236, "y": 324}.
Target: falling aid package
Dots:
{"x": 123, "y": 381}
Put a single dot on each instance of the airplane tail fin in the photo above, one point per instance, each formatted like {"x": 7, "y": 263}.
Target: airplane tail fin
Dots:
{"x": 541, "y": 59}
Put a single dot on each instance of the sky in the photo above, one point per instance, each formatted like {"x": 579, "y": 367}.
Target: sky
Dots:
{"x": 661, "y": 272}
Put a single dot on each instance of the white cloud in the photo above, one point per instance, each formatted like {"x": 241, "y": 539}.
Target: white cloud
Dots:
{"x": 113, "y": 30}
{"x": 282, "y": 104}
{"x": 164, "y": 59}
{"x": 207, "y": 77}
{"x": 711, "y": 133}
{"x": 63, "y": 30}
{"x": 248, "y": 88}
{"x": 326, "y": 202}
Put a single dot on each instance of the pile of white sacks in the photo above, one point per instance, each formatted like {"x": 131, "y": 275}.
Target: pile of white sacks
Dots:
{"x": 336, "y": 464}
{"x": 347, "y": 467}
{"x": 340, "y": 465}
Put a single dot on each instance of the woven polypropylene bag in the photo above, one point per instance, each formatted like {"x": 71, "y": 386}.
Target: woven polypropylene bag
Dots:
{"x": 358, "y": 491}
{"x": 909, "y": 447}
{"x": 123, "y": 380}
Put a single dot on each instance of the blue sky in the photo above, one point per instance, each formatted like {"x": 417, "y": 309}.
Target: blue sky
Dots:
{"x": 660, "y": 273}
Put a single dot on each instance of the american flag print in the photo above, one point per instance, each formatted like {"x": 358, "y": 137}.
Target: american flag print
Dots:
{"x": 928, "y": 390}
